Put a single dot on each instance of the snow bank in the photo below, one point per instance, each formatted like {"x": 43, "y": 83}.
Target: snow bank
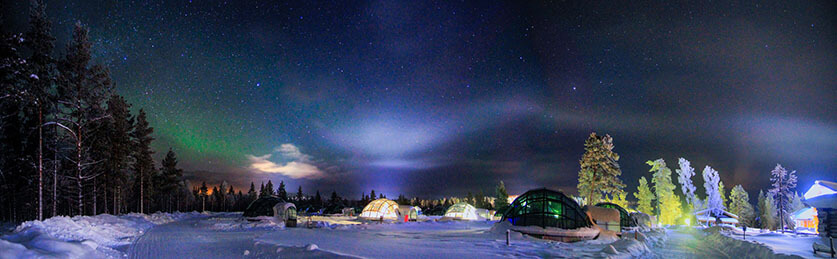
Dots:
{"x": 261, "y": 222}
{"x": 714, "y": 243}
{"x": 81, "y": 236}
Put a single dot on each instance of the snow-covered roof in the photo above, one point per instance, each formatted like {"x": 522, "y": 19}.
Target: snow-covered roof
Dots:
{"x": 726, "y": 213}
{"x": 804, "y": 214}
{"x": 712, "y": 219}
{"x": 822, "y": 195}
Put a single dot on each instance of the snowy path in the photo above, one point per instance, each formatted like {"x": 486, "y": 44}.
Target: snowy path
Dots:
{"x": 193, "y": 238}
{"x": 678, "y": 245}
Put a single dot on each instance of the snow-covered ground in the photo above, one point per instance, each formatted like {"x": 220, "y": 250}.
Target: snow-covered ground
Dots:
{"x": 98, "y": 236}
{"x": 227, "y": 235}
{"x": 787, "y": 243}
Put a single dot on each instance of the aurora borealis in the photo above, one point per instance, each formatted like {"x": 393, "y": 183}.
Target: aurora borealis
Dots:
{"x": 441, "y": 98}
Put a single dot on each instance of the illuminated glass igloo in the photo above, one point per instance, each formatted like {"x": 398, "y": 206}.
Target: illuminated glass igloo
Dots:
{"x": 548, "y": 209}
{"x": 376, "y": 209}
{"x": 462, "y": 211}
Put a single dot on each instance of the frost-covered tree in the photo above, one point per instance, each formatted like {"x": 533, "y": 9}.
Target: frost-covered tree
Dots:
{"x": 796, "y": 203}
{"x": 684, "y": 177}
{"x": 668, "y": 204}
{"x": 782, "y": 192}
{"x": 599, "y": 174}
{"x": 740, "y": 205}
{"x": 644, "y": 197}
{"x": 713, "y": 196}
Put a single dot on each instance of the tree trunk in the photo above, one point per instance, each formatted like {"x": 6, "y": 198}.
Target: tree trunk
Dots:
{"x": 142, "y": 196}
{"x": 94, "y": 197}
{"x": 40, "y": 163}
{"x": 55, "y": 175}
{"x": 78, "y": 173}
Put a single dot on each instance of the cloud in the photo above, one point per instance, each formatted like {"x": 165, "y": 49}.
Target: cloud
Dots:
{"x": 292, "y": 152}
{"x": 299, "y": 165}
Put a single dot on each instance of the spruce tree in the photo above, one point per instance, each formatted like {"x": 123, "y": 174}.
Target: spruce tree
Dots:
{"x": 644, "y": 197}
{"x": 262, "y": 192}
{"x": 599, "y": 174}
{"x": 668, "y": 203}
{"x": 143, "y": 162}
{"x": 740, "y": 205}
{"x": 318, "y": 200}
{"x": 299, "y": 195}
{"x": 767, "y": 211}
{"x": 281, "y": 192}
{"x": 252, "y": 192}
{"x": 268, "y": 189}
{"x": 501, "y": 201}
{"x": 372, "y": 195}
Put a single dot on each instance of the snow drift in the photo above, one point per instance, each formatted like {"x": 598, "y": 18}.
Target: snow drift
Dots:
{"x": 81, "y": 236}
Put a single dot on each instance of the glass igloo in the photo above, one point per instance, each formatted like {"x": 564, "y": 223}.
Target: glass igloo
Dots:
{"x": 546, "y": 208}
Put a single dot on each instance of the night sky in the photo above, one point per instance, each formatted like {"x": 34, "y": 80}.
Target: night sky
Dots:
{"x": 435, "y": 99}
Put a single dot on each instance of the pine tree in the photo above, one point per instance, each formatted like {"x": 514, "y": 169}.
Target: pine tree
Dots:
{"x": 203, "y": 193}
{"x": 501, "y": 201}
{"x": 143, "y": 163}
{"x": 118, "y": 155}
{"x": 42, "y": 78}
{"x": 740, "y": 205}
{"x": 372, "y": 195}
{"x": 782, "y": 192}
{"x": 281, "y": 192}
{"x": 713, "y": 195}
{"x": 83, "y": 89}
{"x": 685, "y": 174}
{"x": 668, "y": 203}
{"x": 299, "y": 195}
{"x": 172, "y": 178}
{"x": 262, "y": 192}
{"x": 599, "y": 174}
{"x": 644, "y": 197}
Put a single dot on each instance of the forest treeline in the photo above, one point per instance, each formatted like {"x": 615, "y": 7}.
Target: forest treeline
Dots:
{"x": 69, "y": 145}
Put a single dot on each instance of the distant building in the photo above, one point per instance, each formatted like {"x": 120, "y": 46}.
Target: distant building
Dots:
{"x": 805, "y": 218}
{"x": 823, "y": 196}
{"x": 727, "y": 218}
